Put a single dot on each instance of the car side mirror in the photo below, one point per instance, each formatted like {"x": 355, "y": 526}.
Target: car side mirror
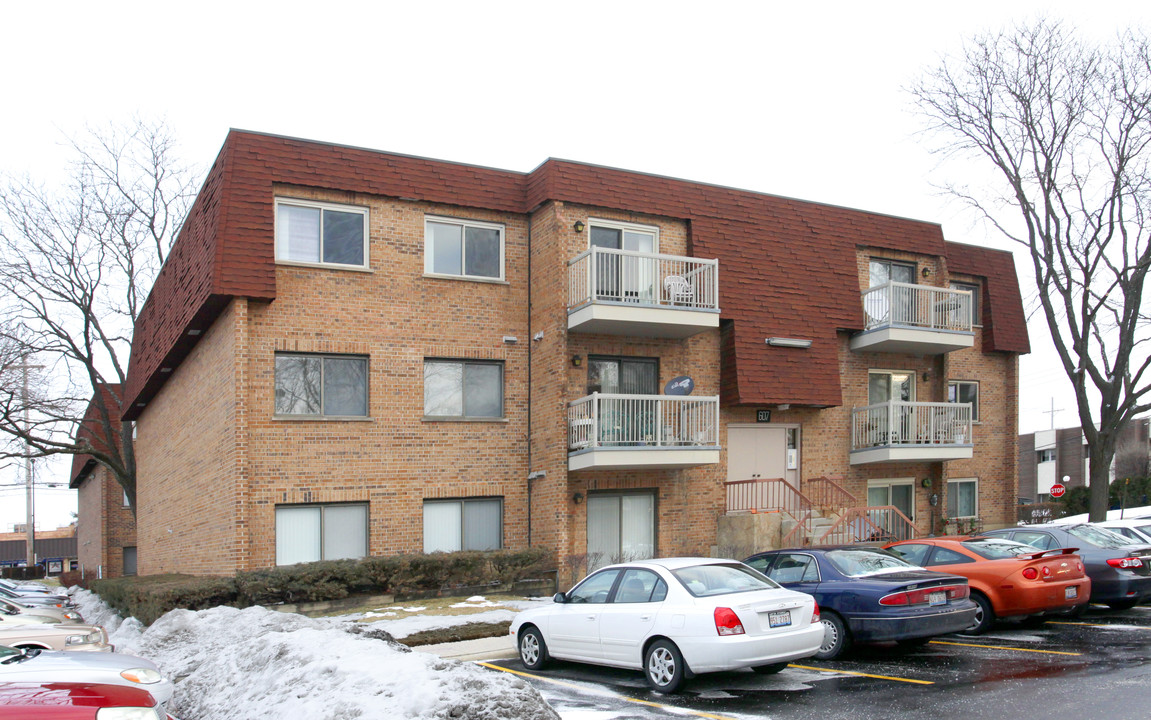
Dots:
{"x": 560, "y": 598}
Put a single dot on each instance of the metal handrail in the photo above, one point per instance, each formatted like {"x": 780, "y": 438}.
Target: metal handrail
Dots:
{"x": 827, "y": 494}
{"x": 619, "y": 420}
{"x": 607, "y": 275}
{"x": 918, "y": 306}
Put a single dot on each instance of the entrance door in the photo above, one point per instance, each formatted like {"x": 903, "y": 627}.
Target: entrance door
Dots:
{"x": 620, "y": 528}
{"x": 900, "y": 493}
{"x": 763, "y": 453}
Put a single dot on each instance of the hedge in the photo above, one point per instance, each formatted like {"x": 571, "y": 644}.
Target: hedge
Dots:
{"x": 148, "y": 597}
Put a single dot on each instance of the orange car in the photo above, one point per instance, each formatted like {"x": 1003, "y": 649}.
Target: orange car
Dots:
{"x": 1007, "y": 579}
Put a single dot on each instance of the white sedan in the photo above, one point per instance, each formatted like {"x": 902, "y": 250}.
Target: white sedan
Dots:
{"x": 673, "y": 618}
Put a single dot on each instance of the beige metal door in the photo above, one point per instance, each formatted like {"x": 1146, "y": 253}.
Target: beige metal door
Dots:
{"x": 758, "y": 453}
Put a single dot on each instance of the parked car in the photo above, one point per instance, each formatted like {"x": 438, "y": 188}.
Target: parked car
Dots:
{"x": 18, "y": 665}
{"x": 24, "y": 585}
{"x": 77, "y": 701}
{"x": 870, "y": 595}
{"x": 673, "y": 618}
{"x": 1007, "y": 578}
{"x": 42, "y": 599}
{"x": 1120, "y": 572}
{"x": 1136, "y": 530}
{"x": 64, "y": 615}
{"x": 56, "y": 637}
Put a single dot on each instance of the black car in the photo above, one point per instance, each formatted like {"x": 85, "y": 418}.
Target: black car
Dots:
{"x": 1120, "y": 572}
{"x": 866, "y": 594}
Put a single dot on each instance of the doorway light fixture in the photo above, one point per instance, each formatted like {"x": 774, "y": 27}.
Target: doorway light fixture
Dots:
{"x": 579, "y": 226}
{"x": 788, "y": 342}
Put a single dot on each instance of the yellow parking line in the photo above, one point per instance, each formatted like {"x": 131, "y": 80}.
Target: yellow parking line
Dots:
{"x": 553, "y": 681}
{"x": 849, "y": 672}
{"x": 1004, "y": 647}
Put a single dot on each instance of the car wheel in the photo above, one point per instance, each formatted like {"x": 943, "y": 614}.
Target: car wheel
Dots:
{"x": 663, "y": 666}
{"x": 836, "y": 639}
{"x": 1123, "y": 604}
{"x": 533, "y": 649}
{"x": 771, "y": 669}
{"x": 984, "y": 615}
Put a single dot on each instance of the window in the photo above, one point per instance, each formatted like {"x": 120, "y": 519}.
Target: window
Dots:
{"x": 1041, "y": 540}
{"x": 464, "y": 248}
{"x": 468, "y": 524}
{"x": 965, "y": 391}
{"x": 322, "y": 233}
{"x": 884, "y": 271}
{"x": 463, "y": 389}
{"x": 890, "y": 385}
{"x": 914, "y": 553}
{"x": 595, "y": 589}
{"x": 129, "y": 558}
{"x": 793, "y": 568}
{"x": 963, "y": 498}
{"x": 620, "y": 527}
{"x": 321, "y": 385}
{"x": 309, "y": 533}
{"x": 943, "y": 556}
{"x": 900, "y": 493}
{"x": 640, "y": 586}
{"x": 1046, "y": 455}
{"x": 976, "y": 318}
{"x": 126, "y": 503}
{"x": 627, "y": 376}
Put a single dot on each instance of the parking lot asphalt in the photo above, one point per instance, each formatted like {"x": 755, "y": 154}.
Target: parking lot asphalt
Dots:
{"x": 1098, "y": 665}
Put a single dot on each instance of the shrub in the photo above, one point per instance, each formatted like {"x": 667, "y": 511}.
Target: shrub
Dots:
{"x": 148, "y": 597}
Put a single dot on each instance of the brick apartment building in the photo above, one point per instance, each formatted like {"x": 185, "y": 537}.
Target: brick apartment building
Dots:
{"x": 105, "y": 526}
{"x": 353, "y": 352}
{"x": 1060, "y": 455}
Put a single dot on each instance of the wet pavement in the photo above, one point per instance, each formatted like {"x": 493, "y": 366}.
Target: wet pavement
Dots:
{"x": 1095, "y": 666}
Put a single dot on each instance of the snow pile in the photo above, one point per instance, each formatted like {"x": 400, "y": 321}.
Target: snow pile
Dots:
{"x": 230, "y": 663}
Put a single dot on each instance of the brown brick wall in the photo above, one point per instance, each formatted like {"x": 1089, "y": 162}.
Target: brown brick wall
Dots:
{"x": 105, "y": 526}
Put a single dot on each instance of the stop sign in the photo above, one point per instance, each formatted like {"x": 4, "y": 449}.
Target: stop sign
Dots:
{"x": 1057, "y": 490}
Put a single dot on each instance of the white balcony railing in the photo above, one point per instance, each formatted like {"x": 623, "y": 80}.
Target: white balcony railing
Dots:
{"x": 895, "y": 424}
{"x": 917, "y": 306}
{"x": 643, "y": 279}
{"x": 632, "y": 421}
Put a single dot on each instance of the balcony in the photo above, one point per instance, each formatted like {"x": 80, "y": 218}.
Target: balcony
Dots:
{"x": 622, "y": 292}
{"x": 911, "y": 432}
{"x": 915, "y": 319}
{"x": 642, "y": 431}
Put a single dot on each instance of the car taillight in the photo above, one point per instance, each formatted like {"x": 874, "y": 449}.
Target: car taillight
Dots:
{"x": 815, "y": 614}
{"x": 727, "y": 622}
{"x": 1046, "y": 571}
{"x": 1030, "y": 573}
{"x": 923, "y": 596}
{"x": 1079, "y": 566}
{"x": 1125, "y": 563}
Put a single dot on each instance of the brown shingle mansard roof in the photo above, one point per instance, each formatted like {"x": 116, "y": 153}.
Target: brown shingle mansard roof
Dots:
{"x": 89, "y": 429}
{"x": 787, "y": 267}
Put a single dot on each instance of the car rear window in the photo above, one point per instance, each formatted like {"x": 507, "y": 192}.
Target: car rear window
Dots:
{"x": 996, "y": 548}
{"x": 1098, "y": 536}
{"x": 861, "y": 562}
{"x": 722, "y": 579}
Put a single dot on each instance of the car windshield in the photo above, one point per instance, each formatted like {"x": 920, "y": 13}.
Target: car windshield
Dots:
{"x": 722, "y": 579}
{"x": 997, "y": 548}
{"x": 864, "y": 562}
{"x": 9, "y": 655}
{"x": 1099, "y": 537}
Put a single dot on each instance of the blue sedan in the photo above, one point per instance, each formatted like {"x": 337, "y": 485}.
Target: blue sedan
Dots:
{"x": 869, "y": 595}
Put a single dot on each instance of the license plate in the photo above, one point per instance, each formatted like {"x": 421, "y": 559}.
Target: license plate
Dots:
{"x": 937, "y": 598}
{"x": 1071, "y": 592}
{"x": 781, "y": 618}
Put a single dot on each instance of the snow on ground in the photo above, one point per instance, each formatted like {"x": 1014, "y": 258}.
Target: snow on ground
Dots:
{"x": 390, "y": 619}
{"x": 229, "y": 663}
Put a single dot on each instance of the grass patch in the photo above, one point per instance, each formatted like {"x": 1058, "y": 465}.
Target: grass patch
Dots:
{"x": 429, "y": 606}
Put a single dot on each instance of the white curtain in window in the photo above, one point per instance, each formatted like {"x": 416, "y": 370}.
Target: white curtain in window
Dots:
{"x": 482, "y": 524}
{"x": 298, "y": 233}
{"x": 345, "y": 531}
{"x": 602, "y": 530}
{"x": 443, "y": 523}
{"x": 297, "y": 535}
{"x": 961, "y": 499}
{"x": 637, "y": 527}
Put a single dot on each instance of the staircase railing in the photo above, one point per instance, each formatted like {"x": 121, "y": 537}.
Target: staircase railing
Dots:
{"x": 827, "y": 494}
{"x": 869, "y": 524}
{"x": 772, "y": 494}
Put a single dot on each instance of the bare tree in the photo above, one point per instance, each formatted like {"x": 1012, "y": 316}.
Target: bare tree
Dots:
{"x": 76, "y": 264}
{"x": 1064, "y": 127}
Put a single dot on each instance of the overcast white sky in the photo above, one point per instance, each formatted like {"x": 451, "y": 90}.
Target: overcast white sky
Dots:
{"x": 806, "y": 102}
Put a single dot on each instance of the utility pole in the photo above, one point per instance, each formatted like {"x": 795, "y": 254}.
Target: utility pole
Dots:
{"x": 1052, "y": 412}
{"x": 30, "y": 529}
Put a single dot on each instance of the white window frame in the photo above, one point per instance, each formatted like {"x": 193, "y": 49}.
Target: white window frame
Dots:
{"x": 464, "y": 224}
{"x": 624, "y": 227}
{"x": 976, "y": 296}
{"x": 321, "y": 507}
{"x": 891, "y": 482}
{"x": 974, "y": 405}
{"x": 320, "y": 415}
{"x": 889, "y": 373}
{"x": 957, "y": 481}
{"x": 458, "y": 361}
{"x": 365, "y": 265}
{"x": 463, "y": 530}
{"x": 1040, "y": 454}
